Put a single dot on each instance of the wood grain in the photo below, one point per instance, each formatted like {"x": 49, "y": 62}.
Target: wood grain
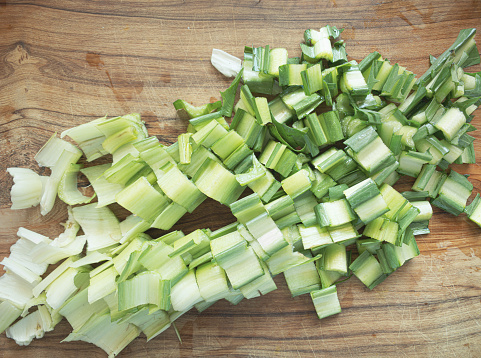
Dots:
{"x": 63, "y": 63}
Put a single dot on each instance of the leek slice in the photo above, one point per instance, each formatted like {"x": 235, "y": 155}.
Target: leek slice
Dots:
{"x": 326, "y": 302}
{"x": 67, "y": 189}
{"x": 8, "y": 314}
{"x": 110, "y": 336}
{"x": 15, "y": 290}
{"x": 144, "y": 288}
{"x": 27, "y": 188}
{"x": 100, "y": 226}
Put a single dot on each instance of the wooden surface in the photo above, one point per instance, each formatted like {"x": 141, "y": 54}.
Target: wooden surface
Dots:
{"x": 63, "y": 63}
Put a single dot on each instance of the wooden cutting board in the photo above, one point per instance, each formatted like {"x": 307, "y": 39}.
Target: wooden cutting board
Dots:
{"x": 63, "y": 63}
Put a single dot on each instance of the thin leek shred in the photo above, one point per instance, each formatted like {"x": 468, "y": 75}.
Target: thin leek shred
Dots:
{"x": 310, "y": 195}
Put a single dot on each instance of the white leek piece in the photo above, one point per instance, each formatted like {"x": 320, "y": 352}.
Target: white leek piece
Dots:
{"x": 104, "y": 189}
{"x": 225, "y": 63}
{"x": 27, "y": 188}
{"x": 53, "y": 276}
{"x": 64, "y": 286}
{"x": 51, "y": 254}
{"x": 8, "y": 314}
{"x": 58, "y": 155}
{"x": 68, "y": 191}
{"x": 102, "y": 284}
{"x": 109, "y": 336}
{"x": 99, "y": 225}
{"x": 15, "y": 290}
{"x": 28, "y": 328}
{"x": 93, "y": 257}
{"x": 77, "y": 310}
{"x": 152, "y": 324}
{"x": 21, "y": 252}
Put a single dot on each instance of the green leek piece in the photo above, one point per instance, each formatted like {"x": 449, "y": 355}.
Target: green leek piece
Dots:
{"x": 370, "y": 245}
{"x": 368, "y": 270}
{"x": 268, "y": 235}
{"x": 185, "y": 293}
{"x": 302, "y": 279}
{"x": 185, "y": 148}
{"x": 186, "y": 110}
{"x": 142, "y": 199}
{"x": 334, "y": 258}
{"x": 257, "y": 81}
{"x": 281, "y": 207}
{"x": 65, "y": 285}
{"x": 194, "y": 244}
{"x": 353, "y": 82}
{"x": 425, "y": 210}
{"x": 304, "y": 205}
{"x": 297, "y": 183}
{"x": 280, "y": 111}
{"x": 451, "y": 122}
{"x": 473, "y": 210}
{"x": 382, "y": 229}
{"x": 312, "y": 79}
{"x": 329, "y": 159}
{"x": 218, "y": 183}
{"x": 209, "y": 134}
{"x": 366, "y": 200}
{"x": 246, "y": 126}
{"x": 247, "y": 208}
{"x": 169, "y": 216}
{"x": 284, "y": 259}
{"x": 429, "y": 180}
{"x": 179, "y": 188}
{"x": 344, "y": 233}
{"x": 145, "y": 288}
{"x": 314, "y": 236}
{"x": 290, "y": 74}
{"x": 226, "y": 145}
{"x": 321, "y": 49}
{"x": 260, "y": 286}
{"x": 411, "y": 163}
{"x": 321, "y": 184}
{"x": 212, "y": 282}
{"x": 125, "y": 170}
{"x": 454, "y": 193}
{"x": 334, "y": 213}
{"x": 331, "y": 125}
{"x": 315, "y": 130}
{"x": 326, "y": 302}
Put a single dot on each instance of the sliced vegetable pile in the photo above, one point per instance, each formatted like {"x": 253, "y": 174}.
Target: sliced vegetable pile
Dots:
{"x": 319, "y": 146}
